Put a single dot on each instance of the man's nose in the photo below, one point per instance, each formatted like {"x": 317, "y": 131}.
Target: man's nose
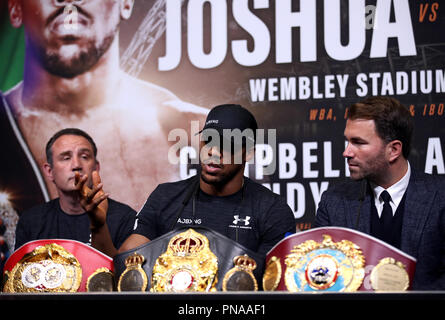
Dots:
{"x": 62, "y": 3}
{"x": 76, "y": 164}
{"x": 348, "y": 151}
{"x": 214, "y": 151}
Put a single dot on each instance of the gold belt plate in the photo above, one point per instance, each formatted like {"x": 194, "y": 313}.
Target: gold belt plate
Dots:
{"x": 325, "y": 266}
{"x": 49, "y": 268}
{"x": 188, "y": 265}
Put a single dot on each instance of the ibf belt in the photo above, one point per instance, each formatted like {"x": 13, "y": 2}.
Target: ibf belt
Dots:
{"x": 336, "y": 259}
{"x": 54, "y": 265}
{"x": 189, "y": 260}
{"x": 48, "y": 268}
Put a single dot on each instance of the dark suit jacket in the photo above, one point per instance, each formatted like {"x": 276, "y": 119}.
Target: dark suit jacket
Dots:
{"x": 423, "y": 228}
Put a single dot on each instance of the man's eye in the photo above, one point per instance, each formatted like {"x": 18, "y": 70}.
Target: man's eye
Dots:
{"x": 358, "y": 142}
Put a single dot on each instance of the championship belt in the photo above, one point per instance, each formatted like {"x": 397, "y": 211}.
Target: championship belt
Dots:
{"x": 194, "y": 259}
{"x": 54, "y": 265}
{"x": 336, "y": 259}
{"x": 187, "y": 265}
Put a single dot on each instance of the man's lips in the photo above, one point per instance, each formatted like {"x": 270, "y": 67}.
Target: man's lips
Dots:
{"x": 72, "y": 177}
{"x": 212, "y": 167}
{"x": 353, "y": 164}
{"x": 68, "y": 24}
{"x": 64, "y": 26}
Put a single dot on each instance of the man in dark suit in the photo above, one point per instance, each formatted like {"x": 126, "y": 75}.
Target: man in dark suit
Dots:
{"x": 386, "y": 197}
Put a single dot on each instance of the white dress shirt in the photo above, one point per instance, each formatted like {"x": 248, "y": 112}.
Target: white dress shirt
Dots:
{"x": 396, "y": 191}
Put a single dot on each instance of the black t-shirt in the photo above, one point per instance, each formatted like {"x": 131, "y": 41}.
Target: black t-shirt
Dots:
{"x": 255, "y": 217}
{"x": 48, "y": 221}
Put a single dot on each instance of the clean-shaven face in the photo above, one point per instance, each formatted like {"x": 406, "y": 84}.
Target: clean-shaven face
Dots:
{"x": 71, "y": 153}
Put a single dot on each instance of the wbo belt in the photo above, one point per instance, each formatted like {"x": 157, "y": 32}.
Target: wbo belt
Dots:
{"x": 56, "y": 265}
{"x": 189, "y": 260}
{"x": 336, "y": 259}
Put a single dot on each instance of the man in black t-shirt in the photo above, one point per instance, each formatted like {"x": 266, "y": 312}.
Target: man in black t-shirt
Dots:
{"x": 253, "y": 216}
{"x": 219, "y": 198}
{"x": 50, "y": 221}
{"x": 69, "y": 151}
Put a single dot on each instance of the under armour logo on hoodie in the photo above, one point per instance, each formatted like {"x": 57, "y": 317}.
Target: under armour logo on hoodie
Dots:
{"x": 237, "y": 220}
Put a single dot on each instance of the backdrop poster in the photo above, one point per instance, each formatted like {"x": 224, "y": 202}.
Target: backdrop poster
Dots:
{"x": 297, "y": 65}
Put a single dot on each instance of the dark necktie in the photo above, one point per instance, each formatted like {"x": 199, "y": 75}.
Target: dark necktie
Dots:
{"x": 386, "y": 217}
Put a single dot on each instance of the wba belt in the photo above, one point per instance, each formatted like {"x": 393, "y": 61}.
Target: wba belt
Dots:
{"x": 189, "y": 260}
{"x": 336, "y": 259}
{"x": 55, "y": 265}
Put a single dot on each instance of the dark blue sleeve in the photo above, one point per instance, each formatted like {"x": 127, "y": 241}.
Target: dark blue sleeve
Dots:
{"x": 278, "y": 221}
{"x": 322, "y": 215}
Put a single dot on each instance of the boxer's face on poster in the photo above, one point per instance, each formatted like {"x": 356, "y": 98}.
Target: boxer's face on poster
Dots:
{"x": 68, "y": 37}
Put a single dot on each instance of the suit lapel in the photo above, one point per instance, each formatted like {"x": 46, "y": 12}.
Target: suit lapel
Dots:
{"x": 418, "y": 203}
{"x": 364, "y": 217}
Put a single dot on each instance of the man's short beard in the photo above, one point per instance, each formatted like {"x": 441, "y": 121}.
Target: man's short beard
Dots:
{"x": 223, "y": 179}
{"x": 83, "y": 61}
{"x": 376, "y": 169}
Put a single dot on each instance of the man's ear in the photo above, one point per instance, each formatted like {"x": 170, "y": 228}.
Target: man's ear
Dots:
{"x": 15, "y": 13}
{"x": 48, "y": 171}
{"x": 394, "y": 149}
{"x": 126, "y": 9}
